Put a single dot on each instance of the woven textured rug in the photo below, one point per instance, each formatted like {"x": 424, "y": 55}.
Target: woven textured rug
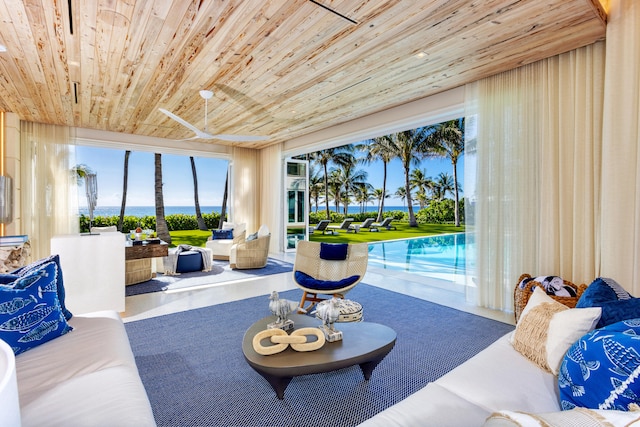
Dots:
{"x": 192, "y": 365}
{"x": 220, "y": 272}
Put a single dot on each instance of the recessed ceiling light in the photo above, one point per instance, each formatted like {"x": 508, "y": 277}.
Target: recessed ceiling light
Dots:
{"x": 420, "y": 55}
{"x": 3, "y": 48}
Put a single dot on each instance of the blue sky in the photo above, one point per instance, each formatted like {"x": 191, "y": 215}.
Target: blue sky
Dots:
{"x": 178, "y": 182}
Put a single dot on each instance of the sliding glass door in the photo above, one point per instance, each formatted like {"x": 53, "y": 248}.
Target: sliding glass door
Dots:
{"x": 296, "y": 202}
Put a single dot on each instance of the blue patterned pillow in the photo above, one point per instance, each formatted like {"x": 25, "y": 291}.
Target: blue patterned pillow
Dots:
{"x": 34, "y": 266}
{"x": 30, "y": 313}
{"x": 222, "y": 234}
{"x": 601, "y": 369}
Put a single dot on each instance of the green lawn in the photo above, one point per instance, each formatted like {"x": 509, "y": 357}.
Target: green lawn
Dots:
{"x": 198, "y": 238}
{"x": 403, "y": 232}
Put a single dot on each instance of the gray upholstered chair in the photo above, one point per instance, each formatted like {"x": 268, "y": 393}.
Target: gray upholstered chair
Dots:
{"x": 328, "y": 269}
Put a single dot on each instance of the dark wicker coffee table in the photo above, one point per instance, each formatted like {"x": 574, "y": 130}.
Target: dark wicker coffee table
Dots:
{"x": 363, "y": 343}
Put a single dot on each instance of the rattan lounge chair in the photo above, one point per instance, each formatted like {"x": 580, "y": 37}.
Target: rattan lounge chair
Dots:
{"x": 332, "y": 277}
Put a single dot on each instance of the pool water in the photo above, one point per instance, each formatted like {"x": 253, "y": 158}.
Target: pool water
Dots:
{"x": 436, "y": 256}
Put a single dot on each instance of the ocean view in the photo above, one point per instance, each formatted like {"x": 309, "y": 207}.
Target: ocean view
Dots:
{"x": 141, "y": 211}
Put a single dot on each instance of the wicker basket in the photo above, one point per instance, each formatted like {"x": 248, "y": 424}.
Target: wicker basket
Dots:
{"x": 521, "y": 295}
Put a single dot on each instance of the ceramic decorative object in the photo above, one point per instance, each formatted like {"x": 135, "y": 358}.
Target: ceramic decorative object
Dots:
{"x": 281, "y": 309}
{"x": 329, "y": 312}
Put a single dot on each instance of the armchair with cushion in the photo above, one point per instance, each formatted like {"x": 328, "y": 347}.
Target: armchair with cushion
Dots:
{"x": 220, "y": 244}
{"x": 330, "y": 269}
{"x": 253, "y": 252}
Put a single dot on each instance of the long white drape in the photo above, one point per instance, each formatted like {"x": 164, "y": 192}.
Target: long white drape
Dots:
{"x": 620, "y": 220}
{"x": 244, "y": 195}
{"x": 49, "y": 186}
{"x": 270, "y": 190}
{"x": 535, "y": 151}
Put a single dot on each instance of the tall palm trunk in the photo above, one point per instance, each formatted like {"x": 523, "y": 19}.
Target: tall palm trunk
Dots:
{"x": 161, "y": 223}
{"x": 407, "y": 188}
{"x": 201, "y": 224}
{"x": 455, "y": 194}
{"x": 125, "y": 181}
{"x": 223, "y": 210}
{"x": 384, "y": 192}
{"x": 326, "y": 190}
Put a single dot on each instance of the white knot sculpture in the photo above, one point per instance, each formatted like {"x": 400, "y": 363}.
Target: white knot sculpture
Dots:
{"x": 281, "y": 307}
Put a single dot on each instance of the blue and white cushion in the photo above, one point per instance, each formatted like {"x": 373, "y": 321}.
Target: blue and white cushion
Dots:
{"x": 30, "y": 312}
{"x": 601, "y": 369}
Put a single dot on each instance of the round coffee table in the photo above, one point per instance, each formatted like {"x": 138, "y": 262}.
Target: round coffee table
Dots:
{"x": 363, "y": 343}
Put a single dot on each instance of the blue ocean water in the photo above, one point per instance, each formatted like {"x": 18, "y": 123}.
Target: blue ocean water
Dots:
{"x": 141, "y": 211}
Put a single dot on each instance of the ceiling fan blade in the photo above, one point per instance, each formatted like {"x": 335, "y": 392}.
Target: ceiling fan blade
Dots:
{"x": 185, "y": 123}
{"x": 239, "y": 137}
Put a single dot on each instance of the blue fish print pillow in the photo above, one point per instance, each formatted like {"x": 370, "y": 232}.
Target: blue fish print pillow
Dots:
{"x": 30, "y": 313}
{"x": 601, "y": 369}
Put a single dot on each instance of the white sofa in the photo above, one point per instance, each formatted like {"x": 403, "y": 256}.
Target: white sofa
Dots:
{"x": 501, "y": 387}
{"x": 87, "y": 377}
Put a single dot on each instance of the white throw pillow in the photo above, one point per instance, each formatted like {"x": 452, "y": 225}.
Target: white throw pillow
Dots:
{"x": 548, "y": 328}
{"x": 263, "y": 231}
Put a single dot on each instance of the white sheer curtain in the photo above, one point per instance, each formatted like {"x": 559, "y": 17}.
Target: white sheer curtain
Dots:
{"x": 244, "y": 188}
{"x": 49, "y": 187}
{"x": 620, "y": 221}
{"x": 535, "y": 158}
{"x": 270, "y": 190}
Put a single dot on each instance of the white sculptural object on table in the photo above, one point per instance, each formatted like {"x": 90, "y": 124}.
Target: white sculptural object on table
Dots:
{"x": 281, "y": 309}
{"x": 329, "y": 312}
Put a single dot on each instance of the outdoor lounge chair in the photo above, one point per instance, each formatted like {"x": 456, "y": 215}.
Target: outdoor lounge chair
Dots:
{"x": 365, "y": 224}
{"x": 322, "y": 226}
{"x": 346, "y": 224}
{"x": 386, "y": 223}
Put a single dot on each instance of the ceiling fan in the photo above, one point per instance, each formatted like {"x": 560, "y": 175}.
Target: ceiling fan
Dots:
{"x": 204, "y": 134}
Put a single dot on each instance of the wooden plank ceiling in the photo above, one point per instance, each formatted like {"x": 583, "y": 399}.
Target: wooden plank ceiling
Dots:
{"x": 278, "y": 68}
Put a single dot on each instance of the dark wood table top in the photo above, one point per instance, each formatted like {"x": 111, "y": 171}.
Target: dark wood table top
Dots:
{"x": 361, "y": 342}
{"x": 150, "y": 250}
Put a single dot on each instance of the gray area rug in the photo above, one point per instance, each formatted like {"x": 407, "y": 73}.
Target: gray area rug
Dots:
{"x": 220, "y": 272}
{"x": 192, "y": 365}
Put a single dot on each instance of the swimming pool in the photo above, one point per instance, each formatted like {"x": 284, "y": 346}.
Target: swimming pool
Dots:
{"x": 441, "y": 256}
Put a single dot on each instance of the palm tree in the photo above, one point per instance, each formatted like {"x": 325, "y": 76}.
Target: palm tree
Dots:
{"x": 338, "y": 156}
{"x": 379, "y": 149}
{"x": 316, "y": 186}
{"x": 223, "y": 209}
{"x": 125, "y": 182}
{"x": 408, "y": 145}
{"x": 350, "y": 178}
{"x": 422, "y": 184}
{"x": 447, "y": 140}
{"x": 161, "y": 223}
{"x": 201, "y": 225}
{"x": 379, "y": 194}
{"x": 401, "y": 193}
{"x": 443, "y": 184}
{"x": 363, "y": 195}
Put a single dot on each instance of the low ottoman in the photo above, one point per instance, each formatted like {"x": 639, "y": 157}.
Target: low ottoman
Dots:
{"x": 189, "y": 261}
{"x": 350, "y": 311}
